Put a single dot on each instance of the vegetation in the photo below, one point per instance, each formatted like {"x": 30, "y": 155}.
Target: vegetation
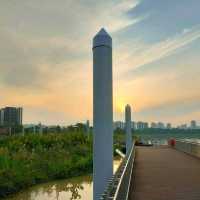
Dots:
{"x": 119, "y": 141}
{"x": 31, "y": 159}
{"x": 34, "y": 158}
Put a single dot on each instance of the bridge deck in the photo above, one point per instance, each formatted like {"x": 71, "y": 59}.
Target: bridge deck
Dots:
{"x": 165, "y": 174}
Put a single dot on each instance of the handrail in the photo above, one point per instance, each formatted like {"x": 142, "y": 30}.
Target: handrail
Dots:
{"x": 192, "y": 148}
{"x": 131, "y": 156}
{"x": 129, "y": 184}
{"x": 186, "y": 141}
{"x": 118, "y": 186}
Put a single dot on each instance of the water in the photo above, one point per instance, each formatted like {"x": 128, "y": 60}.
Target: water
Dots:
{"x": 193, "y": 140}
{"x": 75, "y": 188}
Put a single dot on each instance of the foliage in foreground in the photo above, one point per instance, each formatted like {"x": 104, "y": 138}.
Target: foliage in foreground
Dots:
{"x": 27, "y": 160}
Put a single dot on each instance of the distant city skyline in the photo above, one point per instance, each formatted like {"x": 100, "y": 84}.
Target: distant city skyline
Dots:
{"x": 46, "y": 58}
{"x": 135, "y": 124}
{"x": 193, "y": 124}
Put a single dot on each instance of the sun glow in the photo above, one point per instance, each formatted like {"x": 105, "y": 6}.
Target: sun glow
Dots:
{"x": 120, "y": 105}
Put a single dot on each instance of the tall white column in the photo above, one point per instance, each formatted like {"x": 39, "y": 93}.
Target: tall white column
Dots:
{"x": 102, "y": 112}
{"x": 128, "y": 128}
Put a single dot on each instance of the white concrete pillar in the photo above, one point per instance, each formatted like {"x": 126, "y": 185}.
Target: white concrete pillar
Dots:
{"x": 102, "y": 112}
{"x": 128, "y": 128}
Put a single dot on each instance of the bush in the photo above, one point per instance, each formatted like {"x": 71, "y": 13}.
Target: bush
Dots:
{"x": 27, "y": 160}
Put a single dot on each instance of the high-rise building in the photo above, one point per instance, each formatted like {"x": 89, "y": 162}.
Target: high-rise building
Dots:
{"x": 168, "y": 126}
{"x": 139, "y": 125}
{"x": 87, "y": 126}
{"x": 146, "y": 125}
{"x": 142, "y": 125}
{"x": 160, "y": 125}
{"x": 153, "y": 125}
{"x": 193, "y": 124}
{"x": 119, "y": 124}
{"x": 11, "y": 116}
{"x": 1, "y": 117}
{"x": 19, "y": 115}
{"x": 183, "y": 126}
{"x": 133, "y": 125}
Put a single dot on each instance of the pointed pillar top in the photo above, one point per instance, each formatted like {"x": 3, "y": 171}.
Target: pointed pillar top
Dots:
{"x": 103, "y": 32}
{"x": 102, "y": 38}
{"x": 128, "y": 108}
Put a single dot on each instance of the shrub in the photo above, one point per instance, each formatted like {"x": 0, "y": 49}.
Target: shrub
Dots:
{"x": 27, "y": 160}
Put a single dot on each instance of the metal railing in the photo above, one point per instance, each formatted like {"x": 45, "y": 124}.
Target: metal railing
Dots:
{"x": 119, "y": 184}
{"x": 192, "y": 148}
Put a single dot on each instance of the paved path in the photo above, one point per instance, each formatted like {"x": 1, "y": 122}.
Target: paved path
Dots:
{"x": 163, "y": 173}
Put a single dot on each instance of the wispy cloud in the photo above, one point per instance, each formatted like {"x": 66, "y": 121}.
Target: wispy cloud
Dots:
{"x": 143, "y": 54}
{"x": 62, "y": 41}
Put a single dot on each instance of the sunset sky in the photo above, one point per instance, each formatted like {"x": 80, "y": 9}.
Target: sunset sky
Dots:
{"x": 46, "y": 58}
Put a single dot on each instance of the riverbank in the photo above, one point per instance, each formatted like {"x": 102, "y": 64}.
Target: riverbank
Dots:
{"x": 74, "y": 188}
{"x": 28, "y": 160}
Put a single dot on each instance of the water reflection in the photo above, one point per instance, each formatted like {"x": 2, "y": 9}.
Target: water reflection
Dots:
{"x": 71, "y": 189}
{"x": 193, "y": 140}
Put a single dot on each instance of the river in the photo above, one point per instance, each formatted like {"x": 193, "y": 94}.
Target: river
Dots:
{"x": 70, "y": 189}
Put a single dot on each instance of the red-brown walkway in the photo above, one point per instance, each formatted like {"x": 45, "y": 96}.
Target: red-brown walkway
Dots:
{"x": 163, "y": 173}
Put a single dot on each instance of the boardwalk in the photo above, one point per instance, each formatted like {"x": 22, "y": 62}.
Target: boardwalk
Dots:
{"x": 165, "y": 174}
